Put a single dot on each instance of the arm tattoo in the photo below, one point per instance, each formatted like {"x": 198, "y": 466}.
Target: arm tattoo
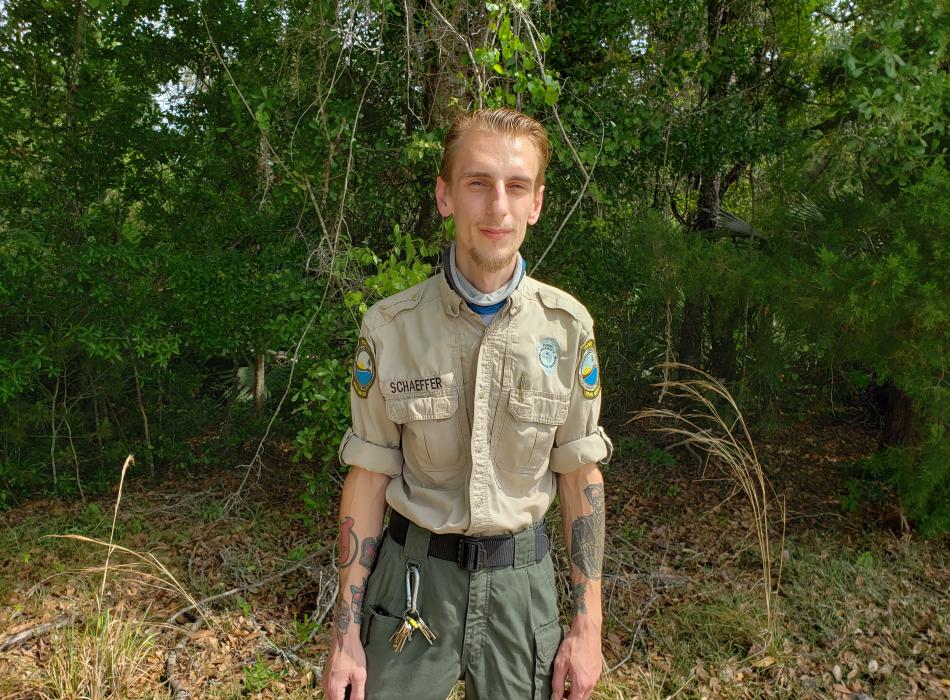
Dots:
{"x": 358, "y": 592}
{"x": 368, "y": 553}
{"x": 587, "y": 535}
{"x": 349, "y": 543}
{"x": 342, "y": 621}
{"x": 578, "y": 593}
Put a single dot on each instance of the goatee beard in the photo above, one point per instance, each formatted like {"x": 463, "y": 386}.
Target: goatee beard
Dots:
{"x": 492, "y": 264}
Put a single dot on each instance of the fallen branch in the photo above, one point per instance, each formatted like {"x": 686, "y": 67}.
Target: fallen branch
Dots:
{"x": 644, "y": 611}
{"x": 35, "y": 632}
{"x": 286, "y": 654}
{"x": 179, "y": 692}
{"x": 250, "y": 586}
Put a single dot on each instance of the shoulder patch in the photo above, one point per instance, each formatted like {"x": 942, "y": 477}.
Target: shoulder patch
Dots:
{"x": 554, "y": 298}
{"x": 588, "y": 370}
{"x": 364, "y": 368}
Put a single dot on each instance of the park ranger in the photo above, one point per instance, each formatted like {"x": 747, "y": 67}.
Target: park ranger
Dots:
{"x": 475, "y": 396}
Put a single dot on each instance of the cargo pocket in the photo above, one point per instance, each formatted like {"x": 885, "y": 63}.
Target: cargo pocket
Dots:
{"x": 527, "y": 433}
{"x": 547, "y": 639}
{"x": 377, "y": 628}
{"x": 431, "y": 437}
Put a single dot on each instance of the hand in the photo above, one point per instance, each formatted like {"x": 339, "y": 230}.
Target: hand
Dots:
{"x": 579, "y": 659}
{"x": 345, "y": 667}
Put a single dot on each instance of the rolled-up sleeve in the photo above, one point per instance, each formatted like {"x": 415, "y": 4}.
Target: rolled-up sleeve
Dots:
{"x": 580, "y": 440}
{"x": 373, "y": 441}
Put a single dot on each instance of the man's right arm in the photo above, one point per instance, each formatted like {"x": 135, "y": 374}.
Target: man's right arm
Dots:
{"x": 362, "y": 507}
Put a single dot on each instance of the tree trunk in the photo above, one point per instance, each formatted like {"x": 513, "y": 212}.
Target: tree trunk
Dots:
{"x": 722, "y": 355}
{"x": 690, "y": 346}
{"x": 689, "y": 349}
{"x": 259, "y": 384}
{"x": 141, "y": 403}
{"x": 897, "y": 414}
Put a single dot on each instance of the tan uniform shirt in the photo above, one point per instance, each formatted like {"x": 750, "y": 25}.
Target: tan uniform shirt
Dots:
{"x": 472, "y": 422}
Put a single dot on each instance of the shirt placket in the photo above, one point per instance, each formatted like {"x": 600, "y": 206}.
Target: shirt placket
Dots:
{"x": 488, "y": 369}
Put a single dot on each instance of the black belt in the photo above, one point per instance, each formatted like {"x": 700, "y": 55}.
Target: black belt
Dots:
{"x": 472, "y": 553}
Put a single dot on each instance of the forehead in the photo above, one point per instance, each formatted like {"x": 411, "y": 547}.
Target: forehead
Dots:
{"x": 502, "y": 155}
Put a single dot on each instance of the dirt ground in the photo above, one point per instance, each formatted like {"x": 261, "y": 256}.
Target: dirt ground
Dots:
{"x": 858, "y": 607}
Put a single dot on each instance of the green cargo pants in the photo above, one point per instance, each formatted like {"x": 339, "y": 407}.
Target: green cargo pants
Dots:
{"x": 498, "y": 629}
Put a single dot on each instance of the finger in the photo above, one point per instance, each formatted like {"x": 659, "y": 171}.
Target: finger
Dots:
{"x": 579, "y": 691}
{"x": 357, "y": 689}
{"x": 557, "y": 680}
{"x": 335, "y": 688}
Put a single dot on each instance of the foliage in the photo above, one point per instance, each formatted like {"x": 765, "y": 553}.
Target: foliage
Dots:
{"x": 191, "y": 193}
{"x": 257, "y": 677}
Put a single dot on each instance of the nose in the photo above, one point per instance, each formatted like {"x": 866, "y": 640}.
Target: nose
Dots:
{"x": 499, "y": 200}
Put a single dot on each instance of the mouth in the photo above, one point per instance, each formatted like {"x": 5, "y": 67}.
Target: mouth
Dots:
{"x": 494, "y": 233}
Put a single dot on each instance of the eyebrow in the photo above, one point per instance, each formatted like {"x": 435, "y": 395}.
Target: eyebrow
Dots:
{"x": 479, "y": 173}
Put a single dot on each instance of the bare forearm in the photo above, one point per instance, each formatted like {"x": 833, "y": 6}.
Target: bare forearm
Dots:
{"x": 582, "y": 511}
{"x": 362, "y": 507}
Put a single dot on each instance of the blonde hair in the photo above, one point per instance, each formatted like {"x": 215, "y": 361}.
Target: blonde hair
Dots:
{"x": 496, "y": 121}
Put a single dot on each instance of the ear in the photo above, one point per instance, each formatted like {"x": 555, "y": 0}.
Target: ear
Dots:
{"x": 442, "y": 198}
{"x": 536, "y": 207}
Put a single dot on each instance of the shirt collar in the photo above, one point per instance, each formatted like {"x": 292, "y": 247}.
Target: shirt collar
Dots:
{"x": 450, "y": 300}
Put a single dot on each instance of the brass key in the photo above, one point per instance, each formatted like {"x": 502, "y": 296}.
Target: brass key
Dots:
{"x": 402, "y": 635}
{"x": 423, "y": 627}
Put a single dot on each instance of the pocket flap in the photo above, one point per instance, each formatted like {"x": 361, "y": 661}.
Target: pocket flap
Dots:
{"x": 547, "y": 638}
{"x": 422, "y": 407}
{"x": 538, "y": 407}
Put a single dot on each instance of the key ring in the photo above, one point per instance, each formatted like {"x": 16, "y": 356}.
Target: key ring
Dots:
{"x": 412, "y": 591}
{"x": 408, "y": 587}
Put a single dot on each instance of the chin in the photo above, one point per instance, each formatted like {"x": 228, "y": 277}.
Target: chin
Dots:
{"x": 493, "y": 260}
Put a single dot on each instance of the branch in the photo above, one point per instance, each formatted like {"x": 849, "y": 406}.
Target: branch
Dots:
{"x": 676, "y": 212}
{"x": 468, "y": 49}
{"x": 570, "y": 213}
{"x": 286, "y": 654}
{"x": 250, "y": 586}
{"x": 35, "y": 632}
{"x": 179, "y": 692}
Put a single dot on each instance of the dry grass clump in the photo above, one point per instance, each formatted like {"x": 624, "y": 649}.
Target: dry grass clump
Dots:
{"x": 107, "y": 658}
{"x": 723, "y": 435}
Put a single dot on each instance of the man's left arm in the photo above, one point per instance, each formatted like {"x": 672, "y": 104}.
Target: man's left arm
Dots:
{"x": 582, "y": 510}
{"x": 579, "y": 444}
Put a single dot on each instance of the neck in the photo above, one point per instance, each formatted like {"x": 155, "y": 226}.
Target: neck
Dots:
{"x": 483, "y": 303}
{"x": 484, "y": 281}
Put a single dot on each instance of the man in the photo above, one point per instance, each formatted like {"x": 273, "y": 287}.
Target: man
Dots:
{"x": 474, "y": 395}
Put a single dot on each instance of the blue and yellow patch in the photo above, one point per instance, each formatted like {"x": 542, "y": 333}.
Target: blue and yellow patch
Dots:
{"x": 588, "y": 371}
{"x": 364, "y": 368}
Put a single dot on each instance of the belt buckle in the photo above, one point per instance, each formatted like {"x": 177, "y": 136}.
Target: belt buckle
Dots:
{"x": 471, "y": 555}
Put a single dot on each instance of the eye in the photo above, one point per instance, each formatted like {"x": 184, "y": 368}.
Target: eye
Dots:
{"x": 476, "y": 183}
{"x": 520, "y": 186}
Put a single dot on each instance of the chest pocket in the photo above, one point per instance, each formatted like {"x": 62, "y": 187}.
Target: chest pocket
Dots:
{"x": 527, "y": 434}
{"x": 432, "y": 437}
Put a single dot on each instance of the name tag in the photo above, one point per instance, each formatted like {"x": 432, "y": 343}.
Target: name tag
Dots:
{"x": 404, "y": 386}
